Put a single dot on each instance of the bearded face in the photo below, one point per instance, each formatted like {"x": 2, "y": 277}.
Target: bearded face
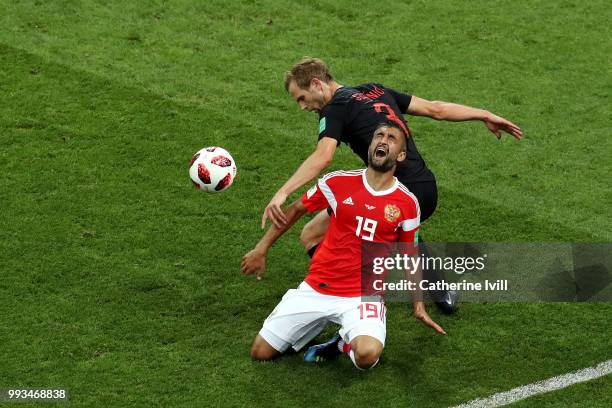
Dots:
{"x": 386, "y": 147}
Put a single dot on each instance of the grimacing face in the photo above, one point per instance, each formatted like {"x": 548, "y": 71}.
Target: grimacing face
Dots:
{"x": 386, "y": 148}
{"x": 311, "y": 99}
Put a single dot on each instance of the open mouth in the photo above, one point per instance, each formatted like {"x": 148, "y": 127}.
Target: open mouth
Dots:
{"x": 380, "y": 152}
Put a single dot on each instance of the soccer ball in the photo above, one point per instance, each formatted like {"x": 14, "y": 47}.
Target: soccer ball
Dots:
{"x": 212, "y": 169}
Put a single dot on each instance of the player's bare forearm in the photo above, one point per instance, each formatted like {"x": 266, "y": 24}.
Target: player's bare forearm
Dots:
{"x": 293, "y": 212}
{"x": 440, "y": 110}
{"x": 254, "y": 261}
{"x": 420, "y": 312}
{"x": 312, "y": 166}
{"x": 308, "y": 170}
{"x": 415, "y": 276}
{"x": 455, "y": 112}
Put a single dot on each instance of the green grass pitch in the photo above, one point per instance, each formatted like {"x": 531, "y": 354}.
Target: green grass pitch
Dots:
{"x": 121, "y": 283}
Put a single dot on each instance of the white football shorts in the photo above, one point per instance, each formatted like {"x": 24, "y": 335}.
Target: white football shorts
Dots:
{"x": 303, "y": 313}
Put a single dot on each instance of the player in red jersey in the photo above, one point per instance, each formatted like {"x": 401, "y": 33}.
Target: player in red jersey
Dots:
{"x": 368, "y": 205}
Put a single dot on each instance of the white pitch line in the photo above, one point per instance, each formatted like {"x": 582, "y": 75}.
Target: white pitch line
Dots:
{"x": 540, "y": 387}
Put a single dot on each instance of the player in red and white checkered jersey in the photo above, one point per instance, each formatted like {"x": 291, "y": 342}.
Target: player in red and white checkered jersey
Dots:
{"x": 368, "y": 205}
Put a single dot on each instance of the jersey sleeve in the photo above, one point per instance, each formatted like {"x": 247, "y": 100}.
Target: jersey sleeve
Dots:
{"x": 409, "y": 225}
{"x": 331, "y": 121}
{"x": 314, "y": 200}
{"x": 409, "y": 232}
{"x": 402, "y": 99}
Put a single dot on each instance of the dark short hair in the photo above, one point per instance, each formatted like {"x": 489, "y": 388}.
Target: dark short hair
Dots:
{"x": 392, "y": 124}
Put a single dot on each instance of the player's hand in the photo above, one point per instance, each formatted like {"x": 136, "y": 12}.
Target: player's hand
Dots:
{"x": 254, "y": 262}
{"x": 421, "y": 314}
{"x": 496, "y": 124}
{"x": 274, "y": 211}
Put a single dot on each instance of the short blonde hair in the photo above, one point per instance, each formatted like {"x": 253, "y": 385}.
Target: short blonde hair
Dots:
{"x": 304, "y": 71}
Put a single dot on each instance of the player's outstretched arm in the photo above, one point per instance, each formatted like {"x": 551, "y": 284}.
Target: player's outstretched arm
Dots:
{"x": 419, "y": 306}
{"x": 308, "y": 170}
{"x": 255, "y": 260}
{"x": 456, "y": 113}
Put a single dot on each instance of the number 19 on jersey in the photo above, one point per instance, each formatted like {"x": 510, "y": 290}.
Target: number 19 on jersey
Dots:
{"x": 367, "y": 226}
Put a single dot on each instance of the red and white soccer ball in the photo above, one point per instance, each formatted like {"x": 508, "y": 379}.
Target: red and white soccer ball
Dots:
{"x": 212, "y": 169}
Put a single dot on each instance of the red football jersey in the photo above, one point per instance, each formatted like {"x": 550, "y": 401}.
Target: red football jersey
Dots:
{"x": 359, "y": 213}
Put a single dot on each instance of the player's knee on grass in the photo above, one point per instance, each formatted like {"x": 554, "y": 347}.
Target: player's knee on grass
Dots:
{"x": 367, "y": 351}
{"x": 262, "y": 351}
